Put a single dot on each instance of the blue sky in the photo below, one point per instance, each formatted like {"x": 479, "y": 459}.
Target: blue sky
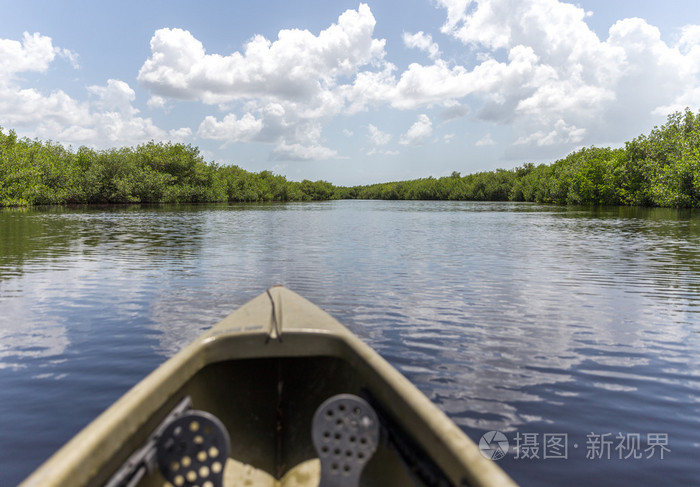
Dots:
{"x": 349, "y": 92}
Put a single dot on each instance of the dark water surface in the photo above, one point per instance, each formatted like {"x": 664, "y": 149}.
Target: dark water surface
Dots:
{"x": 574, "y": 332}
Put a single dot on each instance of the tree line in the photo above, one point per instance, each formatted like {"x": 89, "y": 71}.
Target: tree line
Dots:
{"x": 39, "y": 173}
{"x": 658, "y": 169}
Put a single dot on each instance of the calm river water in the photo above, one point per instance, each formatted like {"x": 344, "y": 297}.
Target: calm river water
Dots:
{"x": 573, "y": 332}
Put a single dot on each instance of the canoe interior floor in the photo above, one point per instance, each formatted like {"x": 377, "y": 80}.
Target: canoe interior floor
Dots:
{"x": 267, "y": 407}
{"x": 237, "y": 474}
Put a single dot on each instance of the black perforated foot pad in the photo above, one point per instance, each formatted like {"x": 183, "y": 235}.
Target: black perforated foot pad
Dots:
{"x": 345, "y": 432}
{"x": 193, "y": 449}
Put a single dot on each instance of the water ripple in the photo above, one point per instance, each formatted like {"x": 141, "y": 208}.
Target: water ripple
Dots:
{"x": 514, "y": 317}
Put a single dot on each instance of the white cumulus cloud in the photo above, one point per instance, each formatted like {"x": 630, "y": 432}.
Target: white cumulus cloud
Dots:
{"x": 231, "y": 128}
{"x": 534, "y": 66}
{"x": 377, "y": 137}
{"x": 297, "y": 66}
{"x": 561, "y": 133}
{"x": 287, "y": 86}
{"x": 182, "y": 134}
{"x": 422, "y": 41}
{"x": 300, "y": 152}
{"x": 34, "y": 53}
{"x": 419, "y": 132}
{"x": 486, "y": 140}
{"x": 106, "y": 118}
{"x": 560, "y": 82}
{"x": 156, "y": 102}
{"x": 117, "y": 96}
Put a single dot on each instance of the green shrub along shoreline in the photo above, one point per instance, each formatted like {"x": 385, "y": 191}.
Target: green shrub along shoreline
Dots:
{"x": 36, "y": 173}
{"x": 659, "y": 169}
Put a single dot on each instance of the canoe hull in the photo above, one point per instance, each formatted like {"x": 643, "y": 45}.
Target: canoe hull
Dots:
{"x": 263, "y": 371}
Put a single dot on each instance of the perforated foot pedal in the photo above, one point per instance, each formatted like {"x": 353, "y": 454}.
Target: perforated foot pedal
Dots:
{"x": 193, "y": 449}
{"x": 345, "y": 432}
